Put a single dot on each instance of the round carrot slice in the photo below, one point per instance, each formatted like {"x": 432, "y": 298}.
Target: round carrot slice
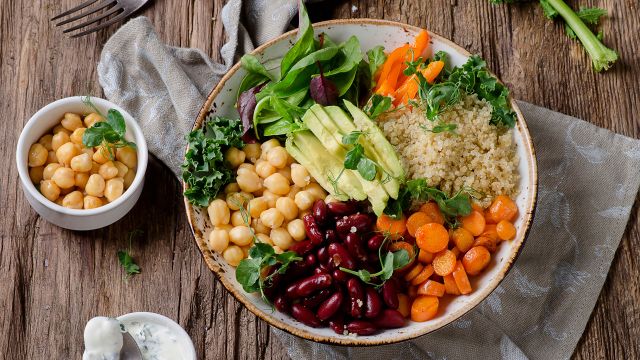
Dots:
{"x": 395, "y": 228}
{"x": 461, "y": 279}
{"x": 432, "y": 237}
{"x": 414, "y": 272}
{"x": 474, "y": 222}
{"x": 475, "y": 260}
{"x": 403, "y": 245}
{"x": 506, "y": 230}
{"x": 502, "y": 208}
{"x": 425, "y": 257}
{"x": 424, "y": 308}
{"x": 462, "y": 238}
{"x": 426, "y": 272}
{"x": 416, "y": 220}
{"x": 430, "y": 208}
{"x": 431, "y": 287}
{"x": 444, "y": 262}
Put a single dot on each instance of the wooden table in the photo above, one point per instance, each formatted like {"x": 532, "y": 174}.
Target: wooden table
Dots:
{"x": 54, "y": 280}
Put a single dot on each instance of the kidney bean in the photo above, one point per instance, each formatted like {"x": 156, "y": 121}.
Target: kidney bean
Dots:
{"x": 273, "y": 287}
{"x": 312, "y": 302}
{"x": 313, "y": 230}
{"x": 389, "y": 319}
{"x": 337, "y": 325}
{"x": 331, "y": 236}
{"x": 340, "y": 276}
{"x": 291, "y": 291}
{"x": 304, "y": 315}
{"x": 356, "y": 297}
{"x": 320, "y": 212}
{"x": 375, "y": 242}
{"x": 355, "y": 246}
{"x": 390, "y": 294}
{"x": 297, "y": 270}
{"x": 311, "y": 284}
{"x": 322, "y": 255}
{"x": 310, "y": 260}
{"x": 341, "y": 208}
{"x": 320, "y": 269}
{"x": 361, "y": 327}
{"x": 302, "y": 247}
{"x": 361, "y": 223}
{"x": 330, "y": 306}
{"x": 373, "y": 259}
{"x": 340, "y": 256}
{"x": 373, "y": 304}
{"x": 281, "y": 304}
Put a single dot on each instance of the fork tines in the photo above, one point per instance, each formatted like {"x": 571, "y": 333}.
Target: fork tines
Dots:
{"x": 104, "y": 8}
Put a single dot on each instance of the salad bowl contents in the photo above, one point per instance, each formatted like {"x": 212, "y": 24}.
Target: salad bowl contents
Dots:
{"x": 372, "y": 183}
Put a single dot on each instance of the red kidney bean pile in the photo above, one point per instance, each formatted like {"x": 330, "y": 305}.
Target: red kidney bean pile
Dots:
{"x": 317, "y": 293}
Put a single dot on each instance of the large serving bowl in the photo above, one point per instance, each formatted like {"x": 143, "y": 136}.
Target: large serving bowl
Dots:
{"x": 370, "y": 33}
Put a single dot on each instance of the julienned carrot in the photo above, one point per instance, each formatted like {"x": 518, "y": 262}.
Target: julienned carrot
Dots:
{"x": 421, "y": 43}
{"x": 409, "y": 89}
{"x": 395, "y": 56}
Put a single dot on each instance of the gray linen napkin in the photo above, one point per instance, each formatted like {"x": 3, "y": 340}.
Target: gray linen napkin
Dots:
{"x": 588, "y": 176}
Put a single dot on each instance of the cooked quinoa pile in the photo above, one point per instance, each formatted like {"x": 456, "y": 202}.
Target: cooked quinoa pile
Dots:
{"x": 478, "y": 155}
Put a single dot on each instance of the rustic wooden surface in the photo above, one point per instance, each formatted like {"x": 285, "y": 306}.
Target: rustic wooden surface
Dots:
{"x": 54, "y": 280}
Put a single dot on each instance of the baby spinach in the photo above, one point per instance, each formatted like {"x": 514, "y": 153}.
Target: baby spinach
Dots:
{"x": 376, "y": 57}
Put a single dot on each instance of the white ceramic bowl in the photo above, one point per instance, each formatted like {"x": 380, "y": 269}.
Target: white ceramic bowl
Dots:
{"x": 73, "y": 219}
{"x": 391, "y": 35}
{"x": 177, "y": 331}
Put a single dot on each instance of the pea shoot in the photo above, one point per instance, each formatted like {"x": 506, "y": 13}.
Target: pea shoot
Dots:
{"x": 109, "y": 134}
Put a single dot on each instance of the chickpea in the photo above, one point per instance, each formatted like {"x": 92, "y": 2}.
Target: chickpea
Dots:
{"x": 296, "y": 229}
{"x": 91, "y": 119}
{"x": 58, "y": 140}
{"x": 268, "y": 145}
{"x": 272, "y": 218}
{"x": 286, "y": 172}
{"x": 49, "y": 189}
{"x": 264, "y": 238}
{"x": 246, "y": 167}
{"x": 218, "y": 240}
{"x": 259, "y": 227}
{"x": 241, "y": 235}
{"x": 271, "y": 198}
{"x": 128, "y": 156}
{"x": 277, "y": 184}
{"x": 225, "y": 227}
{"x": 113, "y": 189}
{"x": 304, "y": 199}
{"x": 92, "y": 202}
{"x": 257, "y": 206}
{"x": 59, "y": 128}
{"x": 51, "y": 157}
{"x": 237, "y": 200}
{"x": 293, "y": 190}
{"x": 71, "y": 121}
{"x": 231, "y": 188}
{"x": 64, "y": 178}
{"x": 95, "y": 167}
{"x": 316, "y": 190}
{"x": 46, "y": 141}
{"x": 81, "y": 179}
{"x": 237, "y": 219}
{"x": 233, "y": 255}
{"x": 87, "y": 150}
{"x": 290, "y": 160}
{"x": 73, "y": 200}
{"x": 128, "y": 178}
{"x": 277, "y": 156}
{"x": 122, "y": 168}
{"x": 219, "y": 213}
{"x": 65, "y": 153}
{"x": 287, "y": 207}
{"x": 264, "y": 169}
{"x": 281, "y": 238}
{"x": 95, "y": 185}
{"x": 37, "y": 155}
{"x": 59, "y": 201}
{"x": 76, "y": 136}
{"x": 249, "y": 181}
{"x": 252, "y": 152}
{"x": 48, "y": 171}
{"x": 81, "y": 163}
{"x": 300, "y": 175}
{"x": 108, "y": 170}
{"x": 36, "y": 174}
{"x": 234, "y": 157}
{"x": 101, "y": 155}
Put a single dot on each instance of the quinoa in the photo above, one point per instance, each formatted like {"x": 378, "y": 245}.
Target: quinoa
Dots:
{"x": 478, "y": 155}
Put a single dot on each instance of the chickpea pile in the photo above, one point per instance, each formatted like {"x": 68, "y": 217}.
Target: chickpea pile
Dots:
{"x": 274, "y": 191}
{"x": 75, "y": 176}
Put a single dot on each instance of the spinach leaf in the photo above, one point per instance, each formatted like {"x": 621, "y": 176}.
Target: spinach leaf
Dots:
{"x": 303, "y": 46}
{"x": 376, "y": 57}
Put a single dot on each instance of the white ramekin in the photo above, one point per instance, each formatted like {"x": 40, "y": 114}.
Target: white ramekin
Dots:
{"x": 148, "y": 317}
{"x": 73, "y": 219}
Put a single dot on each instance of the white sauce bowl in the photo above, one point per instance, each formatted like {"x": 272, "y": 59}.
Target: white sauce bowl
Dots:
{"x": 78, "y": 219}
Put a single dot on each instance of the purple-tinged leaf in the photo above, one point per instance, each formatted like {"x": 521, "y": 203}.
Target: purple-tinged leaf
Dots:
{"x": 246, "y": 107}
{"x": 323, "y": 91}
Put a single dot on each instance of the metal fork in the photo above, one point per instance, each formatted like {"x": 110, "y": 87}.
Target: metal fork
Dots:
{"x": 120, "y": 8}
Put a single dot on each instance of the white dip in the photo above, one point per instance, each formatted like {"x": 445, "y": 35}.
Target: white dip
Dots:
{"x": 102, "y": 339}
{"x": 156, "y": 342}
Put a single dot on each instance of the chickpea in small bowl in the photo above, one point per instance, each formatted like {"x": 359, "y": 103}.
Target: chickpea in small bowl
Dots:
{"x": 82, "y": 162}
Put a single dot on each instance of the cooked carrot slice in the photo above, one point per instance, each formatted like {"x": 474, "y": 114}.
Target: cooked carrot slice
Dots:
{"x": 395, "y": 227}
{"x": 475, "y": 260}
{"x": 461, "y": 279}
{"x": 421, "y": 43}
{"x": 412, "y": 292}
{"x": 414, "y": 272}
{"x": 474, "y": 222}
{"x": 425, "y": 256}
{"x": 426, "y": 272}
{"x": 431, "y": 287}
{"x": 416, "y": 220}
{"x": 487, "y": 242}
{"x": 502, "y": 208}
{"x": 424, "y": 308}
{"x": 403, "y": 245}
{"x": 395, "y": 56}
{"x": 430, "y": 208}
{"x": 444, "y": 262}
{"x": 404, "y": 305}
{"x": 462, "y": 238}
{"x": 506, "y": 230}
{"x": 432, "y": 237}
{"x": 450, "y": 286}
{"x": 490, "y": 231}
{"x": 456, "y": 252}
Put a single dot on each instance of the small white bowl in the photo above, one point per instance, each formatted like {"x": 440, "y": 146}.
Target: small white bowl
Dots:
{"x": 148, "y": 317}
{"x": 73, "y": 219}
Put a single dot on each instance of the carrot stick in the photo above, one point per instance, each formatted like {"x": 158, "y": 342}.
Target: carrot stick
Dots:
{"x": 421, "y": 43}
{"x": 395, "y": 56}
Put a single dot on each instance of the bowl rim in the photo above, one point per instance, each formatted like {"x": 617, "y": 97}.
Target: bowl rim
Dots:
{"x": 528, "y": 214}
{"x": 23, "y": 167}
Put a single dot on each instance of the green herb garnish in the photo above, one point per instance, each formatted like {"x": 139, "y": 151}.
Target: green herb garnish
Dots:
{"x": 355, "y": 159}
{"x": 124, "y": 256}
{"x": 377, "y": 105}
{"x": 108, "y": 134}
